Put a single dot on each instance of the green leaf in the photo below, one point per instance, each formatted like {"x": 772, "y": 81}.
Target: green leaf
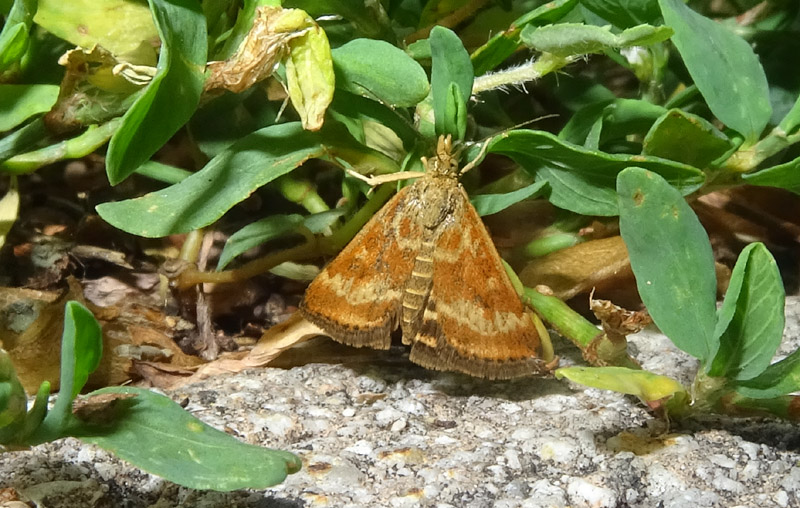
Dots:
{"x": 784, "y": 176}
{"x": 380, "y": 71}
{"x": 723, "y": 67}
{"x": 624, "y": 13}
{"x": 157, "y": 435}
{"x": 22, "y": 139}
{"x": 792, "y": 118}
{"x": 81, "y": 349}
{"x": 751, "y": 321}
{"x": 240, "y": 29}
{"x": 645, "y": 385}
{"x": 13, "y": 401}
{"x": 582, "y": 180}
{"x": 568, "y": 39}
{"x": 222, "y": 121}
{"x": 14, "y": 36}
{"x": 611, "y": 120}
{"x": 487, "y": 204}
{"x": 368, "y": 19}
{"x": 671, "y": 258}
{"x": 171, "y": 97}
{"x": 257, "y": 233}
{"x": 505, "y": 43}
{"x": 780, "y": 378}
{"x": 451, "y": 82}
{"x": 352, "y": 110}
{"x": 686, "y": 138}
{"x": 227, "y": 179}
{"x": 122, "y": 27}
{"x": 320, "y": 222}
{"x": 163, "y": 172}
{"x": 20, "y": 102}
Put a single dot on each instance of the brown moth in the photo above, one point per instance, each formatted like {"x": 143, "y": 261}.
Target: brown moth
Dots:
{"x": 426, "y": 263}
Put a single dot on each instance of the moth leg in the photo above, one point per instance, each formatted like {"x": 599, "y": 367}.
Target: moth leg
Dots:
{"x": 374, "y": 181}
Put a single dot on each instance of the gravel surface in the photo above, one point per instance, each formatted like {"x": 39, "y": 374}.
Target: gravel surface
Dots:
{"x": 395, "y": 435}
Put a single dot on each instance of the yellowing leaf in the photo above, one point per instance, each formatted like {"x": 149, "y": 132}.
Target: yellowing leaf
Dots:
{"x": 645, "y": 385}
{"x": 309, "y": 76}
{"x": 9, "y": 209}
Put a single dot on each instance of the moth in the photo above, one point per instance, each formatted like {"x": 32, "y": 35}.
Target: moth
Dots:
{"x": 426, "y": 263}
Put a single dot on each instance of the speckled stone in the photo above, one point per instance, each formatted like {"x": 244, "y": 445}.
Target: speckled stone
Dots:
{"x": 393, "y": 435}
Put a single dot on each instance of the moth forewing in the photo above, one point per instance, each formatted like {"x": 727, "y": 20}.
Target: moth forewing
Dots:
{"x": 357, "y": 297}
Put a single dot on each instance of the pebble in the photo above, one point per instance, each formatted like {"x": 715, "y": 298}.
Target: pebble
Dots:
{"x": 394, "y": 434}
{"x": 582, "y": 492}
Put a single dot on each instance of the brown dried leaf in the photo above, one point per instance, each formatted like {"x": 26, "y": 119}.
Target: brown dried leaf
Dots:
{"x": 618, "y": 321}
{"x": 30, "y": 331}
{"x": 578, "y": 269}
{"x": 274, "y": 341}
{"x": 31, "y": 324}
{"x": 92, "y": 88}
{"x": 162, "y": 375}
{"x": 99, "y": 409}
{"x": 611, "y": 346}
{"x": 85, "y": 253}
{"x": 260, "y": 51}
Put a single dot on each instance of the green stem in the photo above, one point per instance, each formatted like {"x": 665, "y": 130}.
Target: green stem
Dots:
{"x": 747, "y": 159}
{"x": 80, "y": 146}
{"x": 530, "y": 71}
{"x": 786, "y": 407}
{"x": 546, "y": 244}
{"x": 312, "y": 248}
{"x": 707, "y": 391}
{"x": 302, "y": 192}
{"x": 560, "y": 316}
{"x": 190, "y": 249}
{"x": 162, "y": 172}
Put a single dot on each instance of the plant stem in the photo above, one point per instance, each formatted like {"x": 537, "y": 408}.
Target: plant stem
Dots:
{"x": 560, "y": 316}
{"x": 312, "y": 248}
{"x": 74, "y": 148}
{"x": 530, "y": 71}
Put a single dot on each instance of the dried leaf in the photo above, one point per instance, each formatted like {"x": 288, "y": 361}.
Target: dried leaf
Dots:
{"x": 162, "y": 375}
{"x": 91, "y": 91}
{"x": 260, "y": 51}
{"x": 274, "y": 341}
{"x": 578, "y": 269}
{"x": 31, "y": 324}
{"x": 617, "y": 321}
{"x": 99, "y": 409}
{"x": 611, "y": 347}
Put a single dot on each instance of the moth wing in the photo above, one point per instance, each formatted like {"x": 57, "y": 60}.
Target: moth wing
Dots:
{"x": 474, "y": 321}
{"x": 357, "y": 298}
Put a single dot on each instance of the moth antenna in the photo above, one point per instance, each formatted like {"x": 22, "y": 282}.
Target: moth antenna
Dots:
{"x": 488, "y": 139}
{"x": 474, "y": 162}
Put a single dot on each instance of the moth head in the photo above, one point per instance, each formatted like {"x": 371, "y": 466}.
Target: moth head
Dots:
{"x": 444, "y": 162}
